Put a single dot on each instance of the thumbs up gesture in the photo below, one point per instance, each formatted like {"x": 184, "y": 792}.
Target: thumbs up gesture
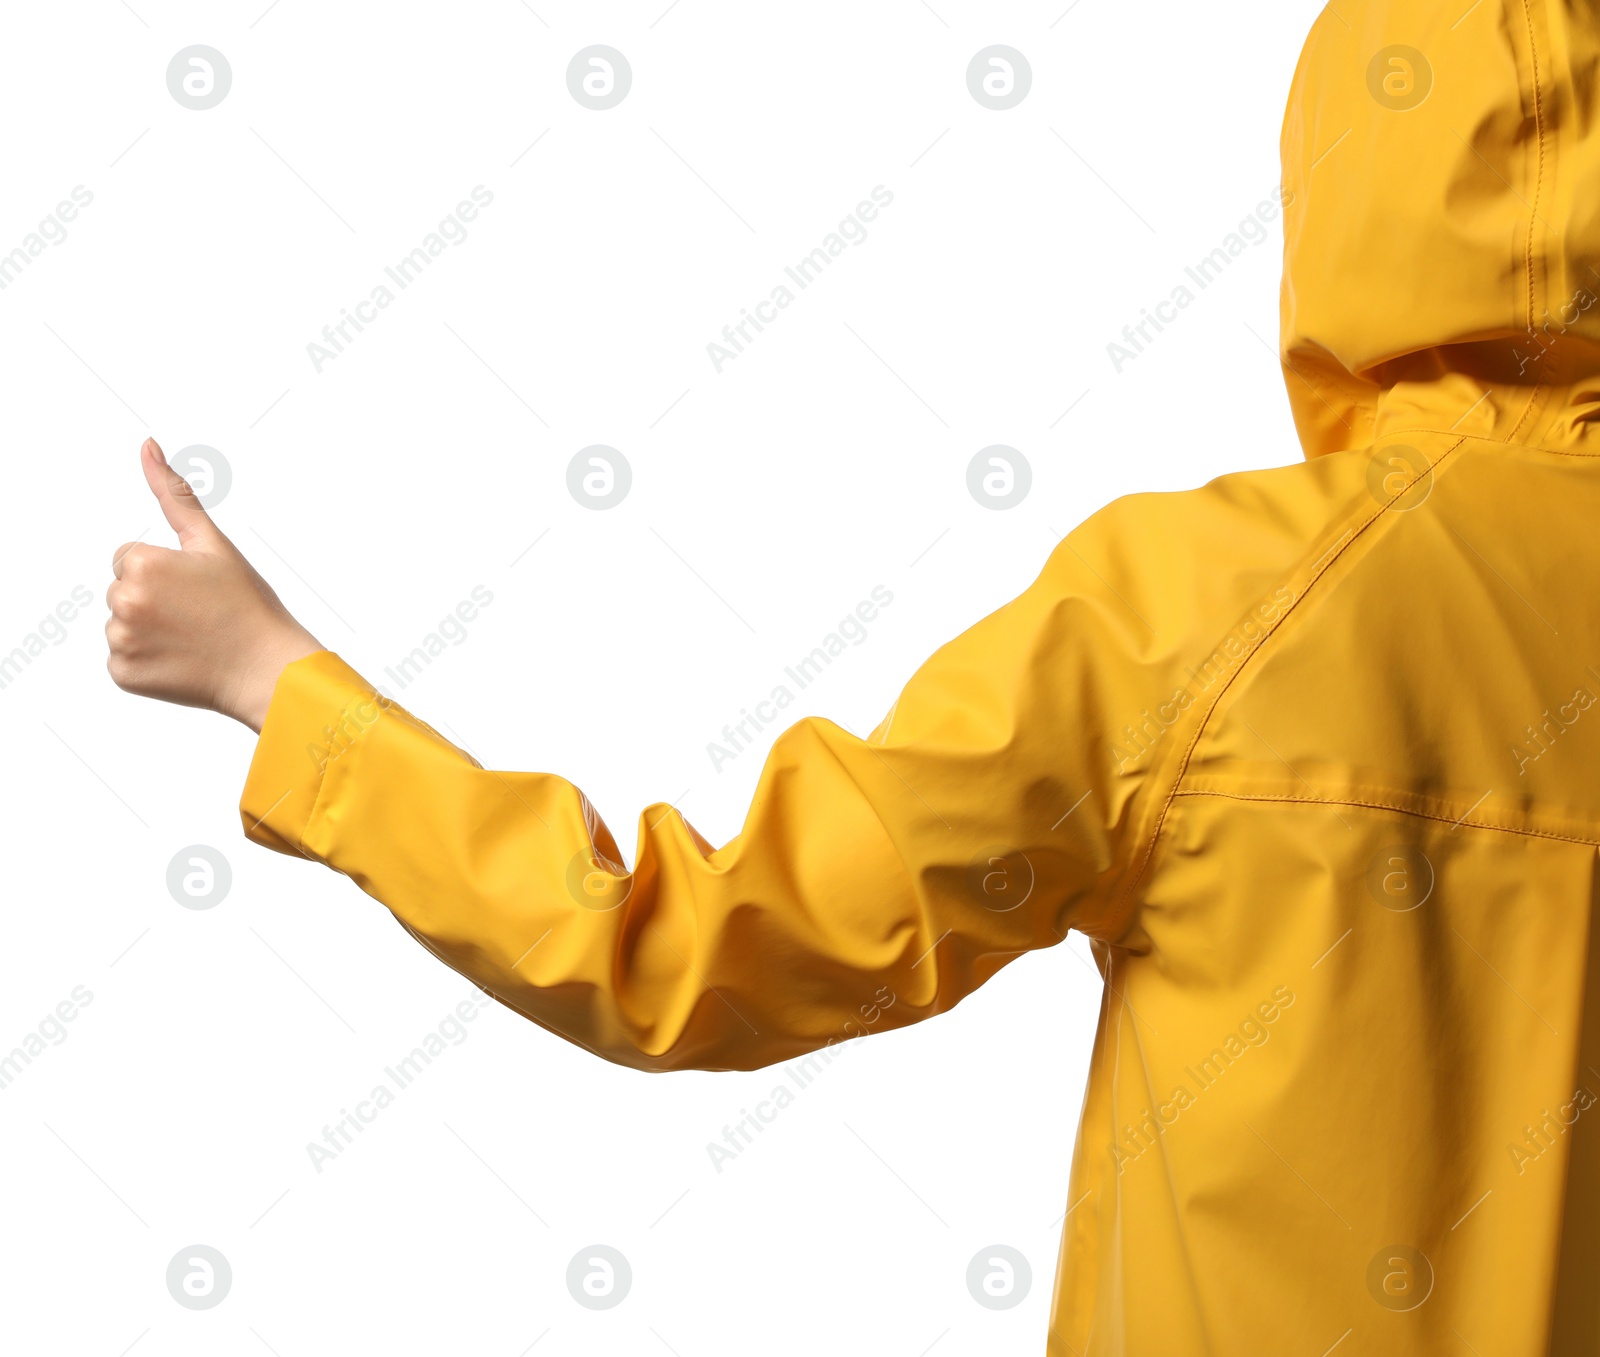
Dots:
{"x": 196, "y": 625}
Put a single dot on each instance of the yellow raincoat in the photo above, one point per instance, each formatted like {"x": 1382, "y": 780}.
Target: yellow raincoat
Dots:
{"x": 1312, "y": 755}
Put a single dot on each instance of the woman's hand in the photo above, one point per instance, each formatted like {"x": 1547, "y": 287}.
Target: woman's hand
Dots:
{"x": 197, "y": 625}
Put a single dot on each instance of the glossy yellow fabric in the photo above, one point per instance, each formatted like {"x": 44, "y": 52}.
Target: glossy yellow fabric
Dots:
{"x": 1312, "y": 755}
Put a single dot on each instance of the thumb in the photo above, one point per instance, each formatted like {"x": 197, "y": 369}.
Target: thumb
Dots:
{"x": 179, "y": 504}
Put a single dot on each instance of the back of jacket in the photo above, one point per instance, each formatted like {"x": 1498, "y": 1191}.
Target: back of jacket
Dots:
{"x": 1312, "y": 755}
{"x": 1347, "y": 1073}
{"x": 1349, "y": 1042}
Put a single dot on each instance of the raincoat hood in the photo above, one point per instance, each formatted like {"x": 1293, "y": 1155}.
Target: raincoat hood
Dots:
{"x": 1441, "y": 176}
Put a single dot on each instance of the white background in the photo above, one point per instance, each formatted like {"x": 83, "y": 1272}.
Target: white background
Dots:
{"x": 767, "y": 501}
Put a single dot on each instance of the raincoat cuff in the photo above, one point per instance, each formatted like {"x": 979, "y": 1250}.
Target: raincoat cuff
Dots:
{"x": 316, "y": 697}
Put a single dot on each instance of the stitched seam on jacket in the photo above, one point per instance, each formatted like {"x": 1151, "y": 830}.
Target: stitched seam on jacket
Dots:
{"x": 1507, "y": 442}
{"x": 1330, "y": 559}
{"x": 1538, "y": 172}
{"x": 1533, "y": 207}
{"x": 1389, "y": 806}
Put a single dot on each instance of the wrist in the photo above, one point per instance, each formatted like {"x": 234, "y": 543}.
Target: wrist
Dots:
{"x": 252, "y": 692}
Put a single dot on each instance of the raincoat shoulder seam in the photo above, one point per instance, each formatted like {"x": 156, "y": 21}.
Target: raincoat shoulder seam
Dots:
{"x": 1525, "y": 831}
{"x": 1320, "y": 567}
{"x": 1495, "y": 442}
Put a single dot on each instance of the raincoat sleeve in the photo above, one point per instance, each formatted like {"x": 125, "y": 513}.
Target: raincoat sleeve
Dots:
{"x": 875, "y": 881}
